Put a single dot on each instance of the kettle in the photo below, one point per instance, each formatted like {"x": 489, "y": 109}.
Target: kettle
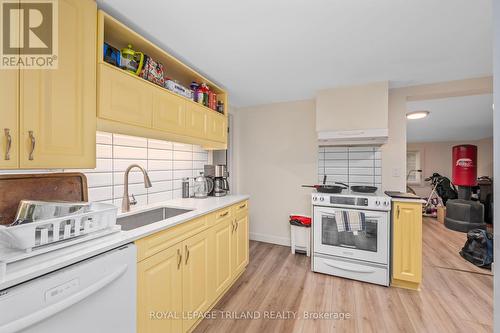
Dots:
{"x": 202, "y": 186}
{"x": 131, "y": 61}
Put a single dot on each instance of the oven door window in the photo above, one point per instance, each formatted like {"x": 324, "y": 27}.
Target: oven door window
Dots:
{"x": 365, "y": 240}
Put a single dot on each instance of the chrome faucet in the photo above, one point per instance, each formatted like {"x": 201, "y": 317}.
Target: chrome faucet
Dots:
{"x": 126, "y": 200}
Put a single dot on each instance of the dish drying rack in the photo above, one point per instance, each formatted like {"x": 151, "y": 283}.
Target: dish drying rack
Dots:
{"x": 30, "y": 239}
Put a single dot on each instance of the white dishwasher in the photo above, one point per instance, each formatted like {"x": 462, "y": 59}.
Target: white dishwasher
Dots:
{"x": 95, "y": 295}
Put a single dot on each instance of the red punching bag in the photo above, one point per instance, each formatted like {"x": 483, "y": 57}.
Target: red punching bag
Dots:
{"x": 464, "y": 172}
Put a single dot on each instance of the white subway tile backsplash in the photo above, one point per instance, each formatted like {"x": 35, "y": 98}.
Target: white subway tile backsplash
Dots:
{"x": 160, "y": 196}
{"x": 350, "y": 165}
{"x": 135, "y": 189}
{"x": 104, "y": 151}
{"x": 98, "y": 179}
{"x": 160, "y": 175}
{"x": 130, "y": 141}
{"x": 183, "y": 155}
{"x": 177, "y": 194}
{"x": 103, "y": 165}
{"x": 182, "y": 147}
{"x": 160, "y": 165}
{"x": 115, "y": 152}
{"x": 179, "y": 174}
{"x": 123, "y": 152}
{"x": 183, "y": 165}
{"x": 104, "y": 138}
{"x": 159, "y": 154}
{"x": 141, "y": 200}
{"x": 100, "y": 193}
{"x": 134, "y": 177}
{"x": 122, "y": 165}
{"x": 159, "y": 144}
{"x": 160, "y": 187}
{"x": 199, "y": 165}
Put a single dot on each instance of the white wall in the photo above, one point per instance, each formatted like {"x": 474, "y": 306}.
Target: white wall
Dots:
{"x": 276, "y": 152}
{"x": 436, "y": 157}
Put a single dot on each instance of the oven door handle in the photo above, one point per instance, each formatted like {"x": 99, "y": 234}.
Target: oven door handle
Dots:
{"x": 363, "y": 269}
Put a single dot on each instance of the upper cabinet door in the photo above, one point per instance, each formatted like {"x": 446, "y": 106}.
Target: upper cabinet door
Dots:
{"x": 169, "y": 112}
{"x": 196, "y": 121}
{"x": 58, "y": 106}
{"x": 9, "y": 127}
{"x": 217, "y": 127}
{"x": 123, "y": 97}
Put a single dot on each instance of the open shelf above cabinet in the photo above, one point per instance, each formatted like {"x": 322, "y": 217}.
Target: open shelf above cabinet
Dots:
{"x": 129, "y": 104}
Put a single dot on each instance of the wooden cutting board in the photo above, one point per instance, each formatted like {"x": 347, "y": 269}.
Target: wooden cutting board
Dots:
{"x": 45, "y": 187}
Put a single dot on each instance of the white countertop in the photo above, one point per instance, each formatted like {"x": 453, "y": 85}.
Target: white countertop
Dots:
{"x": 48, "y": 262}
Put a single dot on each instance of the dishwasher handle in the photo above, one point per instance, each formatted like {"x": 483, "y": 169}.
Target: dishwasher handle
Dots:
{"x": 36, "y": 317}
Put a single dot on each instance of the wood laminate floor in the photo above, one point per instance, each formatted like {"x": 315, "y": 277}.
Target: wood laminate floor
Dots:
{"x": 455, "y": 296}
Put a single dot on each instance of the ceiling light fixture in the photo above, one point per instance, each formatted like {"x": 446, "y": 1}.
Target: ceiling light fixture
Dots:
{"x": 417, "y": 115}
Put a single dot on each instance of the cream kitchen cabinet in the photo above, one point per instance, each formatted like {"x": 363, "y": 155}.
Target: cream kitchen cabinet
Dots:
{"x": 124, "y": 98}
{"x": 9, "y": 118}
{"x": 159, "y": 280}
{"x": 51, "y": 118}
{"x": 129, "y": 104}
{"x": 185, "y": 270}
{"x": 239, "y": 240}
{"x": 407, "y": 244}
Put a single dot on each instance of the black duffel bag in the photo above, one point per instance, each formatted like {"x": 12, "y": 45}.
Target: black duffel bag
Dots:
{"x": 478, "y": 248}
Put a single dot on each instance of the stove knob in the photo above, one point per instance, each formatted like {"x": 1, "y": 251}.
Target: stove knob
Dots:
{"x": 377, "y": 203}
{"x": 315, "y": 198}
{"x": 321, "y": 199}
{"x": 386, "y": 203}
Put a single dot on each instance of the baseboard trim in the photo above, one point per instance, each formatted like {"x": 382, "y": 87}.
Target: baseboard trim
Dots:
{"x": 270, "y": 239}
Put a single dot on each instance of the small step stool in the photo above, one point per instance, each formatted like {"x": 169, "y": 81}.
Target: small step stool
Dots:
{"x": 300, "y": 230}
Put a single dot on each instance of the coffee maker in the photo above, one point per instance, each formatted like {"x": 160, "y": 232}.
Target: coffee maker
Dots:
{"x": 219, "y": 175}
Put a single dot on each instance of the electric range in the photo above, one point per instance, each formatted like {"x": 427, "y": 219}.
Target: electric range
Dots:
{"x": 358, "y": 249}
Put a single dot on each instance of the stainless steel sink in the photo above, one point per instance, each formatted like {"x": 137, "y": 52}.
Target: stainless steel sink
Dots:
{"x": 151, "y": 216}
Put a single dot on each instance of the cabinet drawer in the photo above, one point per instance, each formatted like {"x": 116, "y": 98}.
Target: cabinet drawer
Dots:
{"x": 241, "y": 207}
{"x": 223, "y": 214}
{"x": 162, "y": 240}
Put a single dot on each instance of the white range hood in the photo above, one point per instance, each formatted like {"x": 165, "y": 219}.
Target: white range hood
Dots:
{"x": 355, "y": 115}
{"x": 372, "y": 137}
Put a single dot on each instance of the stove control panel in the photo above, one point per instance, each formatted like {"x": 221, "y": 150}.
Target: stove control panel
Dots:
{"x": 352, "y": 201}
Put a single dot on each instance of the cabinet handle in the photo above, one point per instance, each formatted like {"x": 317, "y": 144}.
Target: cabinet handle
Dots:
{"x": 225, "y": 214}
{"x": 179, "y": 255}
{"x": 398, "y": 211}
{"x": 33, "y": 142}
{"x": 236, "y": 225}
{"x": 9, "y": 143}
{"x": 232, "y": 228}
{"x": 187, "y": 254}
{"x": 243, "y": 206}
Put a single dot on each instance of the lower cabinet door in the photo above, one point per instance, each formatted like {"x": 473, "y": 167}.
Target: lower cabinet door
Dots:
{"x": 407, "y": 242}
{"x": 159, "y": 295}
{"x": 196, "y": 278}
{"x": 221, "y": 238}
{"x": 239, "y": 251}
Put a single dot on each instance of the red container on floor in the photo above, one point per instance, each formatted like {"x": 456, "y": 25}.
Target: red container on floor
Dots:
{"x": 464, "y": 171}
